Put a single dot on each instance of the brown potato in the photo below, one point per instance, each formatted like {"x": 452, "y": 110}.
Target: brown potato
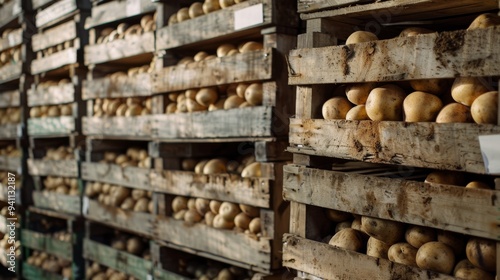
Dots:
{"x": 484, "y": 21}
{"x": 385, "y": 103}
{"x": 420, "y": 106}
{"x": 376, "y": 248}
{"x": 436, "y": 256}
{"x": 484, "y": 109}
{"x": 358, "y": 93}
{"x": 386, "y": 231}
{"x": 403, "y": 253}
{"x": 433, "y": 86}
{"x": 357, "y": 113}
{"x": 466, "y": 89}
{"x": 482, "y": 253}
{"x": 338, "y": 216}
{"x": 348, "y": 239}
{"x": 417, "y": 236}
{"x": 336, "y": 108}
{"x": 360, "y": 37}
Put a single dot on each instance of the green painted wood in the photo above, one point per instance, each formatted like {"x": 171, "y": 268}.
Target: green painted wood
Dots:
{"x": 45, "y": 242}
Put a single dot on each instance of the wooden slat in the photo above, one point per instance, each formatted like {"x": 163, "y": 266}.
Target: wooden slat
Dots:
{"x": 444, "y": 55}
{"x": 58, "y": 94}
{"x": 429, "y": 145}
{"x": 469, "y": 211}
{"x": 118, "y": 260}
{"x": 121, "y": 48}
{"x": 244, "y": 67}
{"x": 9, "y": 11}
{"x": 232, "y": 188}
{"x": 14, "y": 38}
{"x": 39, "y": 3}
{"x": 209, "y": 26}
{"x": 9, "y": 131}
{"x": 11, "y": 72}
{"x": 54, "y": 36}
{"x": 31, "y": 272}
{"x": 59, "y": 202}
{"x": 51, "y": 125}
{"x": 307, "y": 6}
{"x": 12, "y": 164}
{"x": 161, "y": 274}
{"x": 118, "y": 10}
{"x": 54, "y": 61}
{"x": 53, "y": 12}
{"x": 45, "y": 242}
{"x": 10, "y": 98}
{"x": 335, "y": 263}
{"x": 132, "y": 177}
{"x": 137, "y": 85}
{"x": 63, "y": 168}
{"x": 139, "y": 126}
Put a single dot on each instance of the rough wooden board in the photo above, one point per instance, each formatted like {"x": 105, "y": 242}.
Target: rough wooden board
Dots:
{"x": 10, "y": 98}
{"x": 11, "y": 72}
{"x": 232, "y": 188}
{"x": 52, "y": 95}
{"x": 51, "y": 125}
{"x": 209, "y": 26}
{"x": 59, "y": 202}
{"x": 31, "y": 272}
{"x": 39, "y": 3}
{"x": 118, "y": 10}
{"x": 243, "y": 67}
{"x": 468, "y": 211}
{"x": 12, "y": 164}
{"x": 428, "y": 145}
{"x": 118, "y": 260}
{"x": 9, "y": 131}
{"x": 328, "y": 262}
{"x": 55, "y": 11}
{"x": 14, "y": 38}
{"x": 3, "y": 224}
{"x": 307, "y": 6}
{"x": 161, "y": 274}
{"x": 45, "y": 242}
{"x": 54, "y": 36}
{"x": 54, "y": 61}
{"x": 118, "y": 49}
{"x": 63, "y": 168}
{"x": 117, "y": 126}
{"x": 137, "y": 85}
{"x": 10, "y": 11}
{"x": 134, "y": 177}
{"x": 225, "y": 243}
{"x": 242, "y": 122}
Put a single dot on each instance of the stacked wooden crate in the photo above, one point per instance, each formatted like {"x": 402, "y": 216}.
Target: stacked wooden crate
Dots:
{"x": 357, "y": 183}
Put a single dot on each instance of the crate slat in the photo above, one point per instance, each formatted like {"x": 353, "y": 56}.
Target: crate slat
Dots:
{"x": 12, "y": 164}
{"x": 107, "y": 87}
{"x": 55, "y": 11}
{"x": 58, "y": 94}
{"x": 10, "y": 11}
{"x": 63, "y": 168}
{"x": 51, "y": 125}
{"x": 10, "y": 98}
{"x": 31, "y": 272}
{"x": 56, "y": 60}
{"x": 307, "y": 6}
{"x": 44, "y": 242}
{"x": 132, "y": 177}
{"x": 11, "y": 72}
{"x": 118, "y": 10}
{"x": 59, "y": 202}
{"x": 9, "y": 131}
{"x": 14, "y": 38}
{"x": 54, "y": 36}
{"x": 161, "y": 274}
{"x": 138, "y": 126}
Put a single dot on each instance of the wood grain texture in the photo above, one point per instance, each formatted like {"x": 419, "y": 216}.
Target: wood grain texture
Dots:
{"x": 118, "y": 49}
{"x": 58, "y": 94}
{"x": 14, "y": 38}
{"x": 243, "y": 67}
{"x": 9, "y": 11}
{"x": 328, "y": 262}
{"x": 54, "y": 36}
{"x": 428, "y": 145}
{"x": 53, "y": 12}
{"x": 307, "y": 6}
{"x": 54, "y": 61}
{"x": 161, "y": 274}
{"x": 45, "y": 242}
{"x": 444, "y": 55}
{"x": 70, "y": 204}
{"x": 468, "y": 211}
{"x": 9, "y": 131}
{"x": 51, "y": 125}
{"x": 11, "y": 98}
{"x": 31, "y": 272}
{"x": 11, "y": 72}
{"x": 137, "y": 85}
{"x": 132, "y": 177}
{"x": 63, "y": 168}
{"x": 139, "y": 126}
{"x": 118, "y": 10}
{"x": 12, "y": 164}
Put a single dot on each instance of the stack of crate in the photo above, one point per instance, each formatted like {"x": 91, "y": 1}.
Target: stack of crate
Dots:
{"x": 376, "y": 168}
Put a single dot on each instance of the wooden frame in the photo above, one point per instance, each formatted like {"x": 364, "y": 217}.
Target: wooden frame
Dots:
{"x": 54, "y": 61}
{"x": 56, "y": 35}
{"x": 11, "y": 72}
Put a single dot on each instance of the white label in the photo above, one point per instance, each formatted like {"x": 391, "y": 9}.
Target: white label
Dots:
{"x": 490, "y": 149}
{"x": 249, "y": 16}
{"x": 133, "y": 7}
{"x": 85, "y": 205}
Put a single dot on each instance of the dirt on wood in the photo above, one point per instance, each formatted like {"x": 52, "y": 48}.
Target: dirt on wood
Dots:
{"x": 448, "y": 43}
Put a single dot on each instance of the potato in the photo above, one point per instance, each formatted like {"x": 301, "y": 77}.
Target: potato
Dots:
{"x": 358, "y": 93}
{"x": 211, "y": 6}
{"x": 419, "y": 106}
{"x": 135, "y": 245}
{"x": 198, "y": 169}
{"x": 193, "y": 106}
{"x": 241, "y": 89}
{"x": 376, "y": 248}
{"x": 35, "y": 112}
{"x": 336, "y": 108}
{"x": 454, "y": 113}
{"x": 233, "y": 101}
{"x": 242, "y": 221}
{"x": 482, "y": 253}
{"x": 209, "y": 218}
{"x": 202, "y": 206}
{"x": 386, "y": 231}
{"x": 356, "y": 224}
{"x": 360, "y": 37}
{"x": 478, "y": 185}
{"x": 385, "y": 103}
{"x": 250, "y": 46}
{"x": 180, "y": 214}
{"x": 229, "y": 210}
{"x": 179, "y": 203}
{"x": 220, "y": 222}
{"x": 222, "y": 50}
{"x": 254, "y": 169}
{"x": 250, "y": 210}
{"x": 192, "y": 216}
{"x": 414, "y": 31}
{"x": 254, "y": 94}
{"x": 445, "y": 177}
{"x": 417, "y": 236}
{"x": 436, "y": 256}
{"x": 53, "y": 111}
{"x": 255, "y": 226}
{"x": 206, "y": 96}
{"x": 214, "y": 166}
{"x": 348, "y": 239}
{"x": 342, "y": 225}
{"x": 196, "y": 10}
{"x": 128, "y": 204}
{"x": 432, "y": 86}
{"x": 183, "y": 14}
{"x": 141, "y": 205}
{"x": 484, "y": 21}
{"x": 473, "y": 273}
{"x": 192, "y": 203}
{"x": 466, "y": 89}
{"x": 484, "y": 109}
{"x": 219, "y": 105}
{"x": 119, "y": 244}
{"x": 357, "y": 113}
{"x": 338, "y": 216}
{"x": 403, "y": 253}
{"x": 215, "y": 206}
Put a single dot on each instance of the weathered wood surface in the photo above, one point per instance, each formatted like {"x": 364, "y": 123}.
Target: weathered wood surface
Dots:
{"x": 14, "y": 38}
{"x": 137, "y": 85}
{"x": 225, "y": 243}
{"x": 3, "y": 224}
{"x": 118, "y": 10}
{"x": 161, "y": 274}
{"x": 58, "y": 94}
{"x": 31, "y": 272}
{"x": 56, "y": 60}
{"x": 133, "y": 177}
{"x": 243, "y": 67}
{"x": 63, "y": 168}
{"x": 51, "y": 125}
{"x": 39, "y": 3}
{"x": 118, "y": 49}
{"x": 59, "y": 202}
{"x": 11, "y": 71}
{"x": 329, "y": 262}
{"x": 45, "y": 242}
{"x": 139, "y": 126}
{"x": 307, "y": 6}
{"x": 12, "y": 164}
{"x": 9, "y": 131}
{"x": 118, "y": 260}
{"x": 11, "y": 98}
{"x": 429, "y": 145}
{"x": 232, "y": 188}
{"x": 469, "y": 211}
{"x": 55, "y": 11}
{"x": 445, "y": 55}
{"x": 15, "y": 193}
{"x": 10, "y": 11}
{"x": 54, "y": 36}
{"x": 242, "y": 122}
{"x": 209, "y": 26}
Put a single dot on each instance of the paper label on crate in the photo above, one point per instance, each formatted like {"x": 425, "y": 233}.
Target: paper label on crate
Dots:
{"x": 85, "y": 205}
{"x": 133, "y": 7}
{"x": 490, "y": 149}
{"x": 249, "y": 16}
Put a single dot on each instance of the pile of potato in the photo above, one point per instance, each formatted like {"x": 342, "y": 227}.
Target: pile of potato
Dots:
{"x": 131, "y": 244}
{"x": 60, "y": 153}
{"x": 51, "y": 110}
{"x": 10, "y": 151}
{"x": 120, "y": 78}
{"x": 62, "y": 236}
{"x": 247, "y": 166}
{"x": 10, "y": 115}
{"x": 124, "y": 31}
{"x": 223, "y": 51}
{"x": 98, "y": 272}
{"x": 217, "y": 214}
{"x": 117, "y": 196}
{"x": 456, "y": 179}
{"x": 198, "y": 9}
{"x": 51, "y": 263}
{"x": 209, "y": 270}
{"x": 134, "y": 157}
{"x": 122, "y": 107}
{"x": 61, "y": 185}
{"x": 4, "y": 244}
{"x": 54, "y": 49}
{"x": 10, "y": 56}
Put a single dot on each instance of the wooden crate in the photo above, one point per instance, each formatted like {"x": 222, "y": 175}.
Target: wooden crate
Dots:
{"x": 59, "y": 11}
{"x": 63, "y": 168}
{"x": 31, "y": 272}
{"x": 50, "y": 126}
{"x": 71, "y": 204}
{"x": 57, "y": 60}
{"x": 9, "y": 11}
{"x": 118, "y": 10}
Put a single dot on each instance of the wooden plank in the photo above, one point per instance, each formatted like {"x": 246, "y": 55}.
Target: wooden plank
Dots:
{"x": 133, "y": 177}
{"x": 444, "y": 55}
{"x": 118, "y": 260}
{"x": 51, "y": 125}
{"x": 209, "y": 26}
{"x": 243, "y": 67}
{"x": 10, "y": 131}
{"x": 55, "y": 11}
{"x": 58, "y": 94}
{"x": 161, "y": 274}
{"x": 450, "y": 146}
{"x": 9, "y": 11}
{"x": 242, "y": 122}
{"x": 14, "y": 38}
{"x": 10, "y": 98}
{"x": 45, "y": 242}
{"x": 469, "y": 211}
{"x": 307, "y": 6}
{"x": 334, "y": 263}
{"x": 31, "y": 272}
{"x": 118, "y": 10}
{"x": 56, "y": 60}
{"x": 54, "y": 36}
{"x": 140, "y": 126}
{"x": 225, "y": 243}
{"x": 137, "y": 85}
{"x": 118, "y": 49}
{"x": 11, "y": 71}
{"x": 35, "y": 4}
{"x": 12, "y": 164}
{"x": 59, "y": 202}
{"x": 63, "y": 168}
{"x": 224, "y": 187}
